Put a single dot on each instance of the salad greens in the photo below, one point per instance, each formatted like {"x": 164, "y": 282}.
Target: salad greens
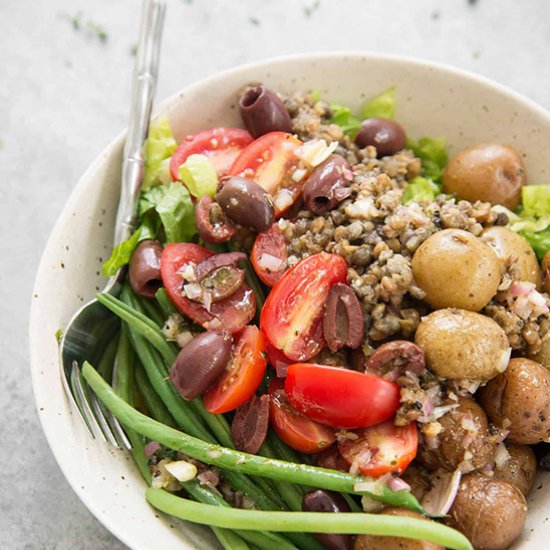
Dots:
{"x": 121, "y": 254}
{"x": 199, "y": 176}
{"x": 158, "y": 147}
{"x": 343, "y": 117}
{"x": 433, "y": 154}
{"x": 381, "y": 106}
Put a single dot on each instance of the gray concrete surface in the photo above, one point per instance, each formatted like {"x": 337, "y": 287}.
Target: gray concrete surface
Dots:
{"x": 63, "y": 96}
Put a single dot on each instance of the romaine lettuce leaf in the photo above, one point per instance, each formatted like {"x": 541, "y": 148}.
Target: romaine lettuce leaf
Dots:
{"x": 536, "y": 200}
{"x": 540, "y": 241}
{"x": 173, "y": 205}
{"x": 158, "y": 146}
{"x": 381, "y": 106}
{"x": 121, "y": 254}
{"x": 342, "y": 116}
{"x": 433, "y": 154}
{"x": 199, "y": 176}
{"x": 420, "y": 189}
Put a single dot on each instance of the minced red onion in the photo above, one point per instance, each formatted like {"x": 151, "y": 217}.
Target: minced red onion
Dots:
{"x": 398, "y": 484}
{"x": 521, "y": 288}
{"x": 270, "y": 262}
{"x": 439, "y": 499}
{"x": 151, "y": 448}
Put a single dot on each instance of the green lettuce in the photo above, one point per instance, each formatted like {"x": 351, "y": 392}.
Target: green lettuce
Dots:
{"x": 121, "y": 254}
{"x": 536, "y": 200}
{"x": 199, "y": 176}
{"x": 343, "y": 117}
{"x": 420, "y": 189}
{"x": 381, "y": 106}
{"x": 433, "y": 154}
{"x": 540, "y": 241}
{"x": 158, "y": 147}
{"x": 173, "y": 205}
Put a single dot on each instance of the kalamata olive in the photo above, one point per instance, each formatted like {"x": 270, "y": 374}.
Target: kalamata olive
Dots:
{"x": 489, "y": 511}
{"x": 212, "y": 224}
{"x": 386, "y": 135}
{"x": 263, "y": 111}
{"x": 462, "y": 344}
{"x": 393, "y": 359}
{"x": 545, "y": 266}
{"x": 508, "y": 245}
{"x": 518, "y": 400}
{"x": 250, "y": 424}
{"x": 332, "y": 459}
{"x": 144, "y": 270}
{"x": 219, "y": 275}
{"x": 200, "y": 363}
{"x": 246, "y": 203}
{"x": 343, "y": 322}
{"x": 327, "y": 501}
{"x": 487, "y": 172}
{"x": 455, "y": 269}
{"x": 327, "y": 185}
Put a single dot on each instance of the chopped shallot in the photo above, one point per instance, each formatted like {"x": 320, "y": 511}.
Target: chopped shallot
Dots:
{"x": 398, "y": 484}
{"x": 439, "y": 499}
{"x": 270, "y": 263}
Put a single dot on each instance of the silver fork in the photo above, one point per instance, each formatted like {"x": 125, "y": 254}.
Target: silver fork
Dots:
{"x": 93, "y": 326}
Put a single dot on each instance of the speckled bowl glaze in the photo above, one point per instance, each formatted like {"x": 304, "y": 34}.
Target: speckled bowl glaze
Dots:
{"x": 432, "y": 100}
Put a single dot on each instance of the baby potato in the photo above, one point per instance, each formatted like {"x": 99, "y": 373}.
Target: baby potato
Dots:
{"x": 519, "y": 400}
{"x": 490, "y": 512}
{"x": 487, "y": 172}
{"x": 520, "y": 469}
{"x": 465, "y": 443}
{"x": 374, "y": 542}
{"x": 462, "y": 344}
{"x": 506, "y": 243}
{"x": 455, "y": 269}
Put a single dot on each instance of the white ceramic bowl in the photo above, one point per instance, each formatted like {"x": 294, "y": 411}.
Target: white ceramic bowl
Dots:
{"x": 432, "y": 100}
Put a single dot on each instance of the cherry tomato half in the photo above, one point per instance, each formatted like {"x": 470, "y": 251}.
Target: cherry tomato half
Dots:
{"x": 292, "y": 316}
{"x": 269, "y": 255}
{"x": 278, "y": 360}
{"x": 381, "y": 449}
{"x": 242, "y": 376}
{"x": 231, "y": 314}
{"x": 295, "y": 429}
{"x": 339, "y": 397}
{"x": 270, "y": 161}
{"x": 221, "y": 145}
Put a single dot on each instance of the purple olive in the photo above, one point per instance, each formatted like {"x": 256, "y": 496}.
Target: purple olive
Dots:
{"x": 250, "y": 424}
{"x": 262, "y": 112}
{"x": 327, "y": 501}
{"x": 327, "y": 185}
{"x": 212, "y": 224}
{"x": 144, "y": 270}
{"x": 200, "y": 363}
{"x": 246, "y": 203}
{"x": 343, "y": 322}
{"x": 219, "y": 275}
{"x": 386, "y": 135}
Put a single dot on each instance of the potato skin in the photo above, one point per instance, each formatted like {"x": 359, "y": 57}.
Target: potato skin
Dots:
{"x": 520, "y": 397}
{"x": 487, "y": 172}
{"x": 506, "y": 243}
{"x": 462, "y": 344}
{"x": 490, "y": 512}
{"x": 373, "y": 542}
{"x": 520, "y": 469}
{"x": 455, "y": 269}
{"x": 459, "y": 448}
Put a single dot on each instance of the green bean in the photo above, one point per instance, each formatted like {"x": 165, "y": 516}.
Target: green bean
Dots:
{"x": 123, "y": 385}
{"x": 153, "y": 312}
{"x": 215, "y": 454}
{"x": 313, "y": 522}
{"x": 264, "y": 540}
{"x": 105, "y": 366}
{"x": 153, "y": 402}
{"x": 230, "y": 540}
{"x": 167, "y": 306}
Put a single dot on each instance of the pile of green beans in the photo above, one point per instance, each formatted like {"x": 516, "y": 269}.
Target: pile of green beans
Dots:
{"x": 143, "y": 359}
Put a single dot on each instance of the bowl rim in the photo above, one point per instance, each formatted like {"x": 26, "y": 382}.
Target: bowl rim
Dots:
{"x": 318, "y": 57}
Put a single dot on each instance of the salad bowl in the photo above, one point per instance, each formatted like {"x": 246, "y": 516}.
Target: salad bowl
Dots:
{"x": 431, "y": 100}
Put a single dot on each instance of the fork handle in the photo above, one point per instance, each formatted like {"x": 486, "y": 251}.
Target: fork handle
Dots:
{"x": 144, "y": 86}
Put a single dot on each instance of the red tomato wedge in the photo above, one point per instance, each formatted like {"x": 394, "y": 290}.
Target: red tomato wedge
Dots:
{"x": 231, "y": 314}
{"x": 385, "y": 448}
{"x": 295, "y": 429}
{"x": 269, "y": 255}
{"x": 278, "y": 360}
{"x": 242, "y": 376}
{"x": 292, "y": 316}
{"x": 339, "y": 397}
{"x": 221, "y": 145}
{"x": 270, "y": 161}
